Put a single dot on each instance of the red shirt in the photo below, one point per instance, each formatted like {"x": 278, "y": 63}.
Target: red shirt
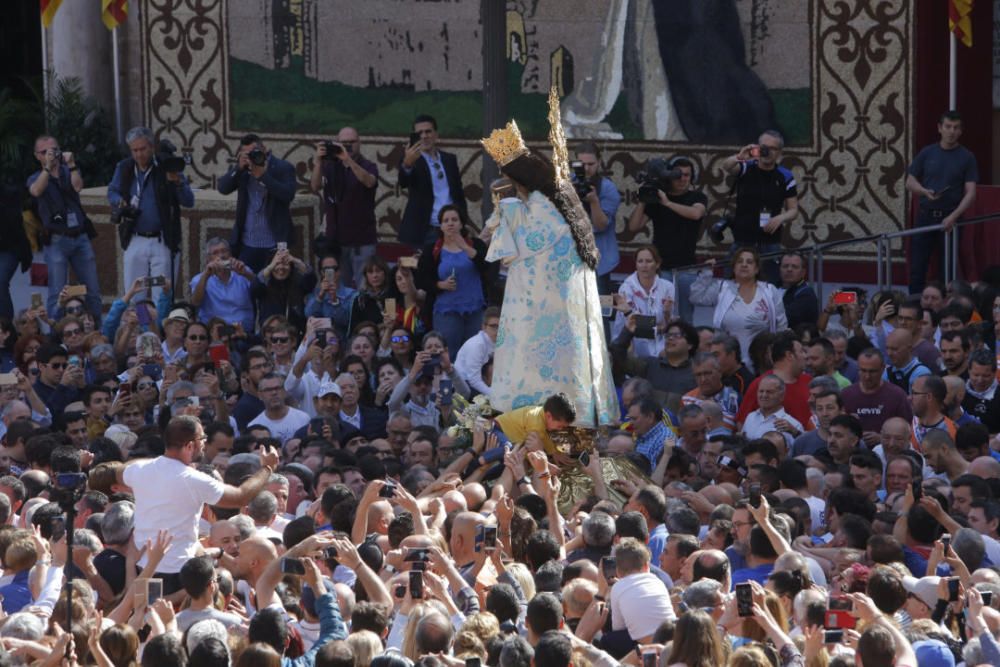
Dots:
{"x": 796, "y": 400}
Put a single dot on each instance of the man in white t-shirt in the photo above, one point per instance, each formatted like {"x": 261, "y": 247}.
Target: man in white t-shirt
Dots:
{"x": 280, "y": 419}
{"x": 771, "y": 415}
{"x": 170, "y": 494}
{"x": 640, "y": 602}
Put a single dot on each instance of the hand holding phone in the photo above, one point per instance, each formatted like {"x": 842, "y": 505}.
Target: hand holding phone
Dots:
{"x": 744, "y": 600}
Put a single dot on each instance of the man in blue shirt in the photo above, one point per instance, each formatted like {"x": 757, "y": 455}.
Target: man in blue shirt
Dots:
{"x": 760, "y": 562}
{"x": 944, "y": 176}
{"x": 601, "y": 201}
{"x": 152, "y": 240}
{"x": 224, "y": 288}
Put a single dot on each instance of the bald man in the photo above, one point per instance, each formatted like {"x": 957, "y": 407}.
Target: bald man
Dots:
{"x": 986, "y": 467}
{"x": 464, "y": 530}
{"x": 953, "y": 401}
{"x": 252, "y": 558}
{"x": 903, "y": 368}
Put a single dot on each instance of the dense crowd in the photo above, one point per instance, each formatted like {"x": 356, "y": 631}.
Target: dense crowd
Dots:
{"x": 294, "y": 461}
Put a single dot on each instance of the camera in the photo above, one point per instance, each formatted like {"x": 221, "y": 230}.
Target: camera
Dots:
{"x": 257, "y": 157}
{"x": 717, "y": 231}
{"x": 332, "y": 150}
{"x": 657, "y": 176}
{"x": 580, "y": 182}
{"x": 124, "y": 212}
{"x": 57, "y": 154}
{"x": 166, "y": 157}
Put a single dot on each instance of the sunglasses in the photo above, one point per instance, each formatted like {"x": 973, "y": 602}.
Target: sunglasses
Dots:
{"x": 71, "y": 332}
{"x": 145, "y": 385}
{"x": 76, "y": 310}
{"x": 280, "y": 339}
{"x": 197, "y": 337}
{"x": 400, "y": 339}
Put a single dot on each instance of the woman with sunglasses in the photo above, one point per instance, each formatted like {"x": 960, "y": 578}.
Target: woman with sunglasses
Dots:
{"x": 281, "y": 345}
{"x": 397, "y": 344}
{"x": 196, "y": 344}
{"x": 452, "y": 273}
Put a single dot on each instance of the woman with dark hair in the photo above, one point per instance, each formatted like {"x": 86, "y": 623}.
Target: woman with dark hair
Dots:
{"x": 451, "y": 272}
{"x": 374, "y": 288}
{"x": 551, "y": 335}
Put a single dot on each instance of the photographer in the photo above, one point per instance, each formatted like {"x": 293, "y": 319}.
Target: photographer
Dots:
{"x": 347, "y": 182}
{"x": 266, "y": 186}
{"x": 601, "y": 200}
{"x": 56, "y": 191}
{"x": 766, "y": 198}
{"x": 668, "y": 198}
{"x": 147, "y": 192}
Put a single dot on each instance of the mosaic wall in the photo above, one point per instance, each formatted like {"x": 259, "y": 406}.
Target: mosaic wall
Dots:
{"x": 834, "y": 76}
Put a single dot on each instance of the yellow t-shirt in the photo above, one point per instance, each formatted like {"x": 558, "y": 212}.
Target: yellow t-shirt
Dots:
{"x": 517, "y": 424}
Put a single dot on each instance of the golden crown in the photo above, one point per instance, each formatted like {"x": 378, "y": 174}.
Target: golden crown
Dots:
{"x": 505, "y": 144}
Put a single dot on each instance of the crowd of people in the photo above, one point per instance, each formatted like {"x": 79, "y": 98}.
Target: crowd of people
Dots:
{"x": 304, "y": 461}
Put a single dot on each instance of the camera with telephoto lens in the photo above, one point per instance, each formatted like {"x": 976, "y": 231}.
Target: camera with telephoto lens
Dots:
{"x": 333, "y": 149}
{"x": 257, "y": 157}
{"x": 57, "y": 154}
{"x": 657, "y": 176}
{"x": 124, "y": 212}
{"x": 167, "y": 157}
{"x": 580, "y": 182}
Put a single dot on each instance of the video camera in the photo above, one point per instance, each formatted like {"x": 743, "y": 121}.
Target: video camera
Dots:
{"x": 166, "y": 157}
{"x": 657, "y": 176}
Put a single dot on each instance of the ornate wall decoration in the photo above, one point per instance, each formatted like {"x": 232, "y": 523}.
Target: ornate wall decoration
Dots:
{"x": 850, "y": 166}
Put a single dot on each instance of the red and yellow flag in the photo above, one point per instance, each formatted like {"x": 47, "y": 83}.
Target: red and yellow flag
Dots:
{"x": 114, "y": 13}
{"x": 49, "y": 9}
{"x": 960, "y": 21}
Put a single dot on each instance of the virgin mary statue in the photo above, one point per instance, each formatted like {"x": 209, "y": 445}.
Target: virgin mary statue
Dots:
{"x": 551, "y": 336}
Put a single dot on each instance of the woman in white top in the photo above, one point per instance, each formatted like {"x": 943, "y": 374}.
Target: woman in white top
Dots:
{"x": 645, "y": 293}
{"x": 744, "y": 306}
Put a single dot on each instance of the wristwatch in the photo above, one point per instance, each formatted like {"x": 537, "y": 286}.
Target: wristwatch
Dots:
{"x": 524, "y": 480}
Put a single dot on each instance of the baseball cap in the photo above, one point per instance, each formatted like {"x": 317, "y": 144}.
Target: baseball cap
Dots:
{"x": 933, "y": 652}
{"x": 924, "y": 589}
{"x": 328, "y": 387}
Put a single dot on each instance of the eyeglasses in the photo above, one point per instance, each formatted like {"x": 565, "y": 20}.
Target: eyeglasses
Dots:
{"x": 268, "y": 390}
{"x": 71, "y": 332}
{"x": 675, "y": 334}
{"x": 75, "y": 310}
{"x": 197, "y": 337}
{"x": 400, "y": 339}
{"x": 280, "y": 339}
{"x": 145, "y": 385}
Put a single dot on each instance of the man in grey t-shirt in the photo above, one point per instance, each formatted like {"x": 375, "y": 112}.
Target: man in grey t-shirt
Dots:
{"x": 944, "y": 176}
{"x": 200, "y": 581}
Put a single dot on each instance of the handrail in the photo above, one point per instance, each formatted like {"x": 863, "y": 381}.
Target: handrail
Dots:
{"x": 884, "y": 257}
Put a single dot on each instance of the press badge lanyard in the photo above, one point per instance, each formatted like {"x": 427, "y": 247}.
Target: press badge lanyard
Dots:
{"x": 141, "y": 179}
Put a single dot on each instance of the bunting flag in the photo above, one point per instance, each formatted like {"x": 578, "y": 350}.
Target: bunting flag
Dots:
{"x": 960, "y": 21}
{"x": 114, "y": 13}
{"x": 49, "y": 9}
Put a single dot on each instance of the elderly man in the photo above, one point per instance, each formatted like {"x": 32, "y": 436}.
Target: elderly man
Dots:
{"x": 223, "y": 289}
{"x": 771, "y": 415}
{"x": 708, "y": 375}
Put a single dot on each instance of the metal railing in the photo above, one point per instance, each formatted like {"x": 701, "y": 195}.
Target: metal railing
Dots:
{"x": 883, "y": 251}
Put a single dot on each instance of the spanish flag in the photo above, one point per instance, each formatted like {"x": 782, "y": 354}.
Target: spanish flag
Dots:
{"x": 49, "y": 9}
{"x": 114, "y": 13}
{"x": 960, "y": 21}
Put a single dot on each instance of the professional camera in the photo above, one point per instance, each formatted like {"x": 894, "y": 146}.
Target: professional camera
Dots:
{"x": 717, "y": 231}
{"x": 257, "y": 157}
{"x": 657, "y": 176}
{"x": 333, "y": 149}
{"x": 124, "y": 212}
{"x": 167, "y": 157}
{"x": 57, "y": 154}
{"x": 580, "y": 182}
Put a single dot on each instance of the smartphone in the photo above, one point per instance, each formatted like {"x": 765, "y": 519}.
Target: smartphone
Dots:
{"x": 73, "y": 360}
{"x": 154, "y": 590}
{"x": 416, "y": 584}
{"x": 755, "y": 495}
{"x": 321, "y": 339}
{"x": 155, "y": 281}
{"x": 744, "y": 600}
{"x": 417, "y": 555}
{"x": 414, "y": 138}
{"x": 408, "y": 262}
{"x": 918, "y": 490}
{"x": 838, "y": 615}
{"x": 952, "y": 589}
{"x": 946, "y": 542}
{"x": 607, "y": 305}
{"x": 833, "y": 636}
{"x": 387, "y": 491}
{"x": 329, "y": 274}
{"x": 585, "y": 459}
{"x": 987, "y": 598}
{"x": 418, "y": 566}
{"x": 390, "y": 306}
{"x": 489, "y": 537}
{"x": 330, "y": 553}
{"x": 645, "y": 326}
{"x": 649, "y": 658}
{"x": 473, "y": 661}
{"x": 324, "y": 323}
{"x": 445, "y": 390}
{"x": 609, "y": 568}
{"x": 36, "y": 300}
{"x": 282, "y": 246}
{"x": 218, "y": 352}
{"x": 76, "y": 290}
{"x": 7, "y": 379}
{"x": 292, "y": 566}
{"x": 844, "y": 298}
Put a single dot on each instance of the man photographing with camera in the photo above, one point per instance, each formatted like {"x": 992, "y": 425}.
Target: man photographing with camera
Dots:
{"x": 56, "y": 190}
{"x": 146, "y": 193}
{"x": 266, "y": 187}
{"x": 766, "y": 197}
{"x": 601, "y": 200}
{"x": 668, "y": 198}
{"x": 346, "y": 182}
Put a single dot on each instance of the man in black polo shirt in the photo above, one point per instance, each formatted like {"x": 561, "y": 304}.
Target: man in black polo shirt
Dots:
{"x": 766, "y": 197}
{"x": 676, "y": 221}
